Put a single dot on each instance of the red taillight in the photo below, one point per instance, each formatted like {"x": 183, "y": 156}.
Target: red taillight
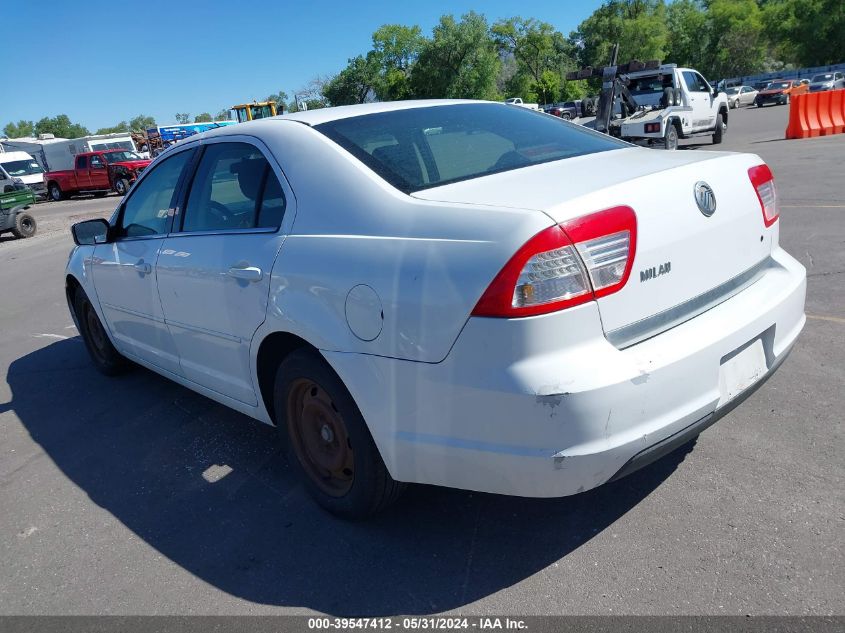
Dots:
{"x": 564, "y": 266}
{"x": 764, "y": 186}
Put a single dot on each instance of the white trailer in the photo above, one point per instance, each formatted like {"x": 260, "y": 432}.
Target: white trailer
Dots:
{"x": 55, "y": 154}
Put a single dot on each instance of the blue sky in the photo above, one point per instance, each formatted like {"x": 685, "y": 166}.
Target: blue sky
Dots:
{"x": 103, "y": 62}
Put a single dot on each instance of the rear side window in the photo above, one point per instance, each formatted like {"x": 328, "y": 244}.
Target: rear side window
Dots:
{"x": 81, "y": 162}
{"x": 234, "y": 188}
{"x": 419, "y": 148}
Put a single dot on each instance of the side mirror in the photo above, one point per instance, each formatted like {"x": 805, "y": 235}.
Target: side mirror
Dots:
{"x": 90, "y": 232}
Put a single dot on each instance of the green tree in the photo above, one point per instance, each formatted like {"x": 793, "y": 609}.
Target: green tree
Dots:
{"x": 355, "y": 83}
{"x": 460, "y": 61}
{"x": 280, "y": 98}
{"x": 686, "y": 21}
{"x": 61, "y": 127}
{"x": 182, "y": 117}
{"x": 531, "y": 43}
{"x": 395, "y": 50}
{"x": 736, "y": 42}
{"x": 638, "y": 26}
{"x": 203, "y": 117}
{"x": 141, "y": 123}
{"x": 20, "y": 129}
{"x": 226, "y": 114}
{"x": 123, "y": 126}
{"x": 806, "y": 32}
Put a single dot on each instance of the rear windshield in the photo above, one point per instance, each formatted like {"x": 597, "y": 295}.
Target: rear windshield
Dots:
{"x": 427, "y": 147}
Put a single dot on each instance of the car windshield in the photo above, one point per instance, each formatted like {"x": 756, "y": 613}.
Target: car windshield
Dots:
{"x": 419, "y": 148}
{"x": 26, "y": 167}
{"x": 778, "y": 85}
{"x": 733, "y": 91}
{"x": 827, "y": 77}
{"x": 118, "y": 157}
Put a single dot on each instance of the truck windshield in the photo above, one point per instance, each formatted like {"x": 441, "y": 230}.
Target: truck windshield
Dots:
{"x": 819, "y": 78}
{"x": 419, "y": 148}
{"x": 26, "y": 167}
{"x": 117, "y": 157}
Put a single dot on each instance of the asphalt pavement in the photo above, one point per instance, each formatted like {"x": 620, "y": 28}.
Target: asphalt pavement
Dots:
{"x": 133, "y": 495}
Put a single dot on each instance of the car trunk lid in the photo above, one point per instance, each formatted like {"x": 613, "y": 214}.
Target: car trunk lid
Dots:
{"x": 683, "y": 255}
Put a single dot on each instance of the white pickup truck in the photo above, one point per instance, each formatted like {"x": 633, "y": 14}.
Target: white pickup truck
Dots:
{"x": 518, "y": 101}
{"x": 673, "y": 103}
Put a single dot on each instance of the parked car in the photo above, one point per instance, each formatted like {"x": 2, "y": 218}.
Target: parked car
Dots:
{"x": 454, "y": 293}
{"x": 741, "y": 96}
{"x": 828, "y": 81}
{"x": 780, "y": 91}
{"x": 97, "y": 173}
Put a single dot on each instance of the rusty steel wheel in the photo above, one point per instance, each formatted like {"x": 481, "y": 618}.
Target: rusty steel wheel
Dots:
{"x": 319, "y": 437}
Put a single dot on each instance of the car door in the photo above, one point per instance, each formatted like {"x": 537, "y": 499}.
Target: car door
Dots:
{"x": 701, "y": 100}
{"x": 214, "y": 271}
{"x": 83, "y": 178}
{"x": 124, "y": 269}
{"x": 98, "y": 173}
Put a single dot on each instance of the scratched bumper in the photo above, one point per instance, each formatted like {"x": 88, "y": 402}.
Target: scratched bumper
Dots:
{"x": 546, "y": 406}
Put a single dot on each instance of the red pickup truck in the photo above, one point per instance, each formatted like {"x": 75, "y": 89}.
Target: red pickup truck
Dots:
{"x": 96, "y": 172}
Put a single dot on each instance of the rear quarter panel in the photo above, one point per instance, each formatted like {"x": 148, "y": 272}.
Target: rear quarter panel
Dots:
{"x": 427, "y": 262}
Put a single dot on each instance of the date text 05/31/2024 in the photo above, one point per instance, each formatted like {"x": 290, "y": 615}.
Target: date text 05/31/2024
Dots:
{"x": 417, "y": 623}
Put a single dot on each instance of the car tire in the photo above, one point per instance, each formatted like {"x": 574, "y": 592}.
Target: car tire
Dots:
{"x": 786, "y": 100}
{"x": 329, "y": 445}
{"x": 670, "y": 139}
{"x": 734, "y": 105}
{"x": 56, "y": 193}
{"x": 719, "y": 130}
{"x": 103, "y": 354}
{"x": 121, "y": 186}
{"x": 25, "y": 226}
{"x": 566, "y": 116}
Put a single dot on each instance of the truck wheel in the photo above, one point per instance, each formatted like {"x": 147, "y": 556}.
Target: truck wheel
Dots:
{"x": 24, "y": 226}
{"x": 121, "y": 186}
{"x": 105, "y": 357}
{"x": 719, "y": 131}
{"x": 670, "y": 139}
{"x": 329, "y": 443}
{"x": 566, "y": 116}
{"x": 56, "y": 193}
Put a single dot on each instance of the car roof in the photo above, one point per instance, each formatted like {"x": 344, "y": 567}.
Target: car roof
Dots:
{"x": 324, "y": 115}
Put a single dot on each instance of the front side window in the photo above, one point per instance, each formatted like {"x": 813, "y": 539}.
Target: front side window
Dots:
{"x": 695, "y": 82}
{"x": 148, "y": 208}
{"x": 234, "y": 188}
{"x": 419, "y": 148}
{"x": 96, "y": 162}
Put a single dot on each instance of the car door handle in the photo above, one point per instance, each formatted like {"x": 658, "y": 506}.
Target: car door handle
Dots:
{"x": 143, "y": 267}
{"x": 247, "y": 273}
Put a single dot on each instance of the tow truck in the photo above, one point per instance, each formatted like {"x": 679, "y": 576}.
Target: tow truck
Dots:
{"x": 656, "y": 104}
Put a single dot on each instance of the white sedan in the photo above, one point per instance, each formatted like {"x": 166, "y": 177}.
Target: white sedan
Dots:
{"x": 456, "y": 293}
{"x": 741, "y": 96}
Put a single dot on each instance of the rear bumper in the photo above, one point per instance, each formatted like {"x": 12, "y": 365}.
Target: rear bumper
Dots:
{"x": 546, "y": 406}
